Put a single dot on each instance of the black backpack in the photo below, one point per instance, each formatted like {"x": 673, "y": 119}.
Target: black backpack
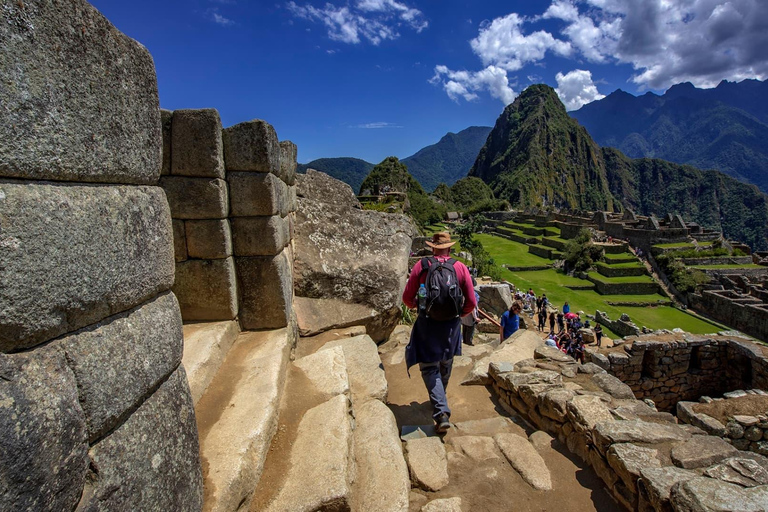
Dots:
{"x": 444, "y": 296}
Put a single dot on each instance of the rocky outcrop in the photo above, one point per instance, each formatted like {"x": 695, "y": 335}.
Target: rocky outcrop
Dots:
{"x": 346, "y": 254}
{"x": 95, "y": 409}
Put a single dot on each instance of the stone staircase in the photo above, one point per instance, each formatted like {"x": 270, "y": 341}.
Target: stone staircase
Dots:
{"x": 310, "y": 435}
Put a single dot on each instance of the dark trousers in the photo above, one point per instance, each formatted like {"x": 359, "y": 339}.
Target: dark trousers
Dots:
{"x": 435, "y": 376}
{"x": 467, "y": 332}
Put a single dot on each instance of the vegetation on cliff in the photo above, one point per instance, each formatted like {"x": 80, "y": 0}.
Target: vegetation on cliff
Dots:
{"x": 537, "y": 156}
{"x": 724, "y": 128}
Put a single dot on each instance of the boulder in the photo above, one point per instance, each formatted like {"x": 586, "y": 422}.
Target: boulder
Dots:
{"x": 494, "y": 298}
{"x": 320, "y": 471}
{"x": 196, "y": 143}
{"x": 43, "y": 433}
{"x": 350, "y": 255}
{"x": 147, "y": 342}
{"x": 366, "y": 374}
{"x": 613, "y": 386}
{"x": 586, "y": 411}
{"x": 382, "y": 473}
{"x": 655, "y": 484}
{"x": 635, "y": 431}
{"x": 427, "y": 463}
{"x": 73, "y": 255}
{"x": 79, "y": 98}
{"x": 541, "y": 440}
{"x": 628, "y": 460}
{"x": 709, "y": 495}
{"x": 525, "y": 459}
{"x": 554, "y": 403}
{"x": 327, "y": 371}
{"x": 477, "y": 448}
{"x": 320, "y": 315}
{"x": 701, "y": 451}
{"x": 551, "y": 354}
{"x": 518, "y": 347}
{"x": 151, "y": 461}
{"x": 443, "y": 505}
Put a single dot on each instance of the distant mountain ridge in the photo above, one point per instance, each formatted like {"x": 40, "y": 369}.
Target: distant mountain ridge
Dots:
{"x": 724, "y": 128}
{"x": 537, "y": 155}
{"x": 446, "y": 161}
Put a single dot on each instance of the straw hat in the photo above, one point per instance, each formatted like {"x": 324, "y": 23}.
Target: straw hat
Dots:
{"x": 441, "y": 240}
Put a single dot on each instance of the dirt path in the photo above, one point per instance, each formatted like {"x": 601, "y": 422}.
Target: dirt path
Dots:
{"x": 492, "y": 485}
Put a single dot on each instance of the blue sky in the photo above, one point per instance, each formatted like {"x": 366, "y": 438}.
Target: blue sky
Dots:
{"x": 372, "y": 78}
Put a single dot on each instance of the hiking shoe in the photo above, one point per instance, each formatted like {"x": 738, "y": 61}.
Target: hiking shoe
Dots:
{"x": 443, "y": 425}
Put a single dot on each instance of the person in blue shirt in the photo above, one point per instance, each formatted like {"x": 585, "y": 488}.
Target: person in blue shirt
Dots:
{"x": 566, "y": 309}
{"x": 510, "y": 321}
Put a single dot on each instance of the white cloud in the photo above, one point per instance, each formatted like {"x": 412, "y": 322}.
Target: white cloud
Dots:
{"x": 373, "y": 20}
{"x": 217, "y": 18}
{"x": 466, "y": 84}
{"x": 502, "y": 44}
{"x": 377, "y": 125}
{"x": 576, "y": 89}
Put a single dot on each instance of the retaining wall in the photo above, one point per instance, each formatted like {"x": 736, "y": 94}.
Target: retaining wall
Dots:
{"x": 606, "y": 288}
{"x": 95, "y": 408}
{"x": 743, "y": 312}
{"x": 610, "y": 271}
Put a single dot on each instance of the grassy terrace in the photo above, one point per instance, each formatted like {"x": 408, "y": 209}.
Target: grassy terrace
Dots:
{"x": 629, "y": 279}
{"x": 554, "y": 283}
{"x": 715, "y": 267}
{"x": 629, "y": 264}
{"x": 510, "y": 253}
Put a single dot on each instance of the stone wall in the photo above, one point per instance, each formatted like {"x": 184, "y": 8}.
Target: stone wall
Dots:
{"x": 608, "y": 288}
{"x": 623, "y": 326}
{"x": 743, "y": 312}
{"x": 233, "y": 200}
{"x": 95, "y": 409}
{"x": 674, "y": 367}
{"x": 647, "y": 460}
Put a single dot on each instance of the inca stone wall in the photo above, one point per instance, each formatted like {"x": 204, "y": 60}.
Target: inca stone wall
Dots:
{"x": 679, "y": 367}
{"x": 647, "y": 460}
{"x": 232, "y": 196}
{"x": 95, "y": 409}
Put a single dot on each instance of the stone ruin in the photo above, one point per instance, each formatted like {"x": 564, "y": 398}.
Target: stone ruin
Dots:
{"x": 232, "y": 195}
{"x": 738, "y": 301}
{"x": 95, "y": 409}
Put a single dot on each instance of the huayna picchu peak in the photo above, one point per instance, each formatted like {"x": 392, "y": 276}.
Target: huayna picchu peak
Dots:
{"x": 538, "y": 156}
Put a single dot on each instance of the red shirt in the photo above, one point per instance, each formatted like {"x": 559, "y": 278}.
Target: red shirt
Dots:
{"x": 462, "y": 274}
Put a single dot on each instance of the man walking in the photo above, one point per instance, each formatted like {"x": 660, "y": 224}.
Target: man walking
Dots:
{"x": 442, "y": 289}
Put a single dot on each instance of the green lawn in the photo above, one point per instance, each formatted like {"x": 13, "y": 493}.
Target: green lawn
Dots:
{"x": 628, "y": 279}
{"x": 630, "y": 264}
{"x": 508, "y": 252}
{"x": 610, "y": 258}
{"x": 678, "y": 245}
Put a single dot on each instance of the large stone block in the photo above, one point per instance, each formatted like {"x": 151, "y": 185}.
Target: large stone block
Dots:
{"x": 260, "y": 236}
{"x": 166, "y": 120}
{"x": 79, "y": 98}
{"x": 152, "y": 461}
{"x": 43, "y": 437}
{"x": 206, "y": 289}
{"x": 208, "y": 239}
{"x": 179, "y": 240}
{"x": 120, "y": 361}
{"x": 266, "y": 291}
{"x": 252, "y": 146}
{"x": 73, "y": 255}
{"x": 196, "y": 198}
{"x": 288, "y": 152}
{"x": 196, "y": 144}
{"x": 255, "y": 194}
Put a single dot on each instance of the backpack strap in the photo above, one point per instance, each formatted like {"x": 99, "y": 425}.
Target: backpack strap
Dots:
{"x": 426, "y": 262}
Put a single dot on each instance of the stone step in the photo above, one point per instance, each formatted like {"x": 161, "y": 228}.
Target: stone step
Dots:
{"x": 206, "y": 345}
{"x": 321, "y": 464}
{"x": 237, "y": 417}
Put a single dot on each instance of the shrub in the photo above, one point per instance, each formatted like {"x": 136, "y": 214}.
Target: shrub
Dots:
{"x": 580, "y": 253}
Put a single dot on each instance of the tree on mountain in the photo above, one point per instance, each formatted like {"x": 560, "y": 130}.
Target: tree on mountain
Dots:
{"x": 581, "y": 253}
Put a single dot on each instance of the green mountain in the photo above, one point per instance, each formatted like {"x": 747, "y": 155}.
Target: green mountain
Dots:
{"x": 537, "y": 155}
{"x": 449, "y": 160}
{"x": 723, "y": 128}
{"x": 351, "y": 171}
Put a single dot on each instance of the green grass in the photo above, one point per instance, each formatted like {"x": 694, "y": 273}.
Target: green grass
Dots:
{"x": 509, "y": 252}
{"x": 628, "y": 279}
{"x": 434, "y": 228}
{"x": 553, "y": 284}
{"x": 678, "y": 245}
{"x": 610, "y": 258}
{"x": 630, "y": 264}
